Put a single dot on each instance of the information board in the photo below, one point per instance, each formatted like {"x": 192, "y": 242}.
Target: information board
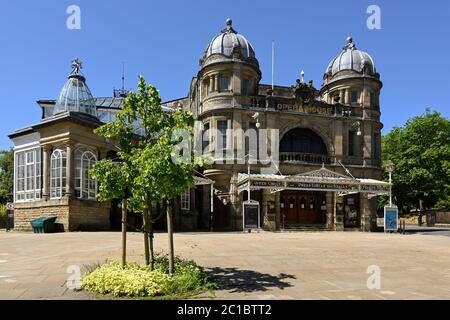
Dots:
{"x": 390, "y": 218}
{"x": 251, "y": 215}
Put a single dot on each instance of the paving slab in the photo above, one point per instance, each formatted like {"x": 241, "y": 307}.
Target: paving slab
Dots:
{"x": 262, "y": 266}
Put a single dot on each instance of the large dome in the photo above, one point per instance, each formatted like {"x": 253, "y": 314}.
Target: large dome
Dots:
{"x": 351, "y": 59}
{"x": 228, "y": 42}
{"x": 75, "y": 95}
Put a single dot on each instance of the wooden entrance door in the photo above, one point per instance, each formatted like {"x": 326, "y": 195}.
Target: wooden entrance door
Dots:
{"x": 291, "y": 208}
{"x": 302, "y": 207}
{"x": 309, "y": 212}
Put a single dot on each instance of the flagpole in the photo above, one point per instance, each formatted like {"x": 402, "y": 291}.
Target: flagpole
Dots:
{"x": 273, "y": 65}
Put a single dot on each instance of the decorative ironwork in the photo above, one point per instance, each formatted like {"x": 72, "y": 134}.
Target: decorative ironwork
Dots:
{"x": 77, "y": 65}
{"x": 323, "y": 173}
{"x": 298, "y": 157}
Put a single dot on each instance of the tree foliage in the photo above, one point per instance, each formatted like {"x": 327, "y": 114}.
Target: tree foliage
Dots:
{"x": 6, "y": 175}
{"x": 420, "y": 151}
{"x": 145, "y": 137}
{"x": 147, "y": 170}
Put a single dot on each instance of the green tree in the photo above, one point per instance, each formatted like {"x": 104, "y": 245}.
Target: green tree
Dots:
{"x": 168, "y": 166}
{"x": 420, "y": 151}
{"x": 6, "y": 175}
{"x": 114, "y": 179}
{"x": 144, "y": 134}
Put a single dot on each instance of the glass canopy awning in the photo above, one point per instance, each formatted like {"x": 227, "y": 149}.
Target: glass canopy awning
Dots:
{"x": 319, "y": 180}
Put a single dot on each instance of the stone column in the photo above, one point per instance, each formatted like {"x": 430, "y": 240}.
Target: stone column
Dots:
{"x": 69, "y": 171}
{"x": 338, "y": 139}
{"x": 338, "y": 213}
{"x": 330, "y": 210}
{"x": 234, "y": 204}
{"x": 47, "y": 152}
{"x": 278, "y": 211}
{"x": 211, "y": 84}
{"x": 366, "y": 128}
{"x": 216, "y": 82}
{"x": 342, "y": 96}
{"x": 368, "y": 213}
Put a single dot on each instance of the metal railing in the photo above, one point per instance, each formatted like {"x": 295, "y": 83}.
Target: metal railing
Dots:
{"x": 298, "y": 157}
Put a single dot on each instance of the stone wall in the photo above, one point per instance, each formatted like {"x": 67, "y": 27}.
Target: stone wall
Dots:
{"x": 89, "y": 216}
{"x": 24, "y": 213}
{"x": 73, "y": 215}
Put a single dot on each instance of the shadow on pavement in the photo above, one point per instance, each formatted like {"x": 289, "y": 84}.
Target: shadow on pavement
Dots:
{"x": 238, "y": 280}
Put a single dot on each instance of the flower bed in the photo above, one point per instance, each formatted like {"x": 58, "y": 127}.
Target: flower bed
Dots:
{"x": 135, "y": 280}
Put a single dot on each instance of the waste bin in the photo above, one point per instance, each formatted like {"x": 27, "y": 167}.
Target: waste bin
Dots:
{"x": 44, "y": 224}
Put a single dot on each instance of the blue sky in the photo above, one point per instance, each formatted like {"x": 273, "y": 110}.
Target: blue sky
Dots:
{"x": 163, "y": 40}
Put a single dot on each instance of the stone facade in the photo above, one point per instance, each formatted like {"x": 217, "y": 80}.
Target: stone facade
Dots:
{"x": 344, "y": 114}
{"x": 298, "y": 128}
{"x": 73, "y": 215}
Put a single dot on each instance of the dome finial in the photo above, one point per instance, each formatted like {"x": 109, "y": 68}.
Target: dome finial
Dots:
{"x": 229, "y": 28}
{"x": 350, "y": 45}
{"x": 77, "y": 65}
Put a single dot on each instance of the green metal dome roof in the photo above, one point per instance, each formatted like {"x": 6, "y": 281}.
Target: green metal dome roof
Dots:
{"x": 75, "y": 96}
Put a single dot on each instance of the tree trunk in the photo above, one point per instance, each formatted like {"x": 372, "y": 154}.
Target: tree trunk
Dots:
{"x": 420, "y": 212}
{"x": 146, "y": 233}
{"x": 170, "y": 234}
{"x": 150, "y": 236}
{"x": 124, "y": 232}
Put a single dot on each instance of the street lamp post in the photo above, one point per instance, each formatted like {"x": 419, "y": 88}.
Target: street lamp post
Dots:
{"x": 390, "y": 169}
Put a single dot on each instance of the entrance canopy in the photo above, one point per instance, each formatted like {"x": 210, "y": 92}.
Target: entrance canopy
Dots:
{"x": 319, "y": 180}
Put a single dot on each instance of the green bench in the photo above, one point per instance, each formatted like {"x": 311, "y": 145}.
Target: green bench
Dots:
{"x": 44, "y": 225}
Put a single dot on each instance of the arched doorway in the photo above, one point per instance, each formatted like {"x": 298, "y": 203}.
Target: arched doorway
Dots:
{"x": 300, "y": 208}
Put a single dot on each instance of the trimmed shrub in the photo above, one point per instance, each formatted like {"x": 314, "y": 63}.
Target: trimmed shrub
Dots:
{"x": 135, "y": 280}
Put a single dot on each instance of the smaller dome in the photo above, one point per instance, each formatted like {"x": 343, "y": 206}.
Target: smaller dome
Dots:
{"x": 75, "y": 95}
{"x": 351, "y": 59}
{"x": 227, "y": 41}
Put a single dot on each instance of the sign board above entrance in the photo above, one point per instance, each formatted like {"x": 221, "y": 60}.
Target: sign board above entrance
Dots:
{"x": 319, "y": 180}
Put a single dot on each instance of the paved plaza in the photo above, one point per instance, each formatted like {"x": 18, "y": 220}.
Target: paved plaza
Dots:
{"x": 306, "y": 265}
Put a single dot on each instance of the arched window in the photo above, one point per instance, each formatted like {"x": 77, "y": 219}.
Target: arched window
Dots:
{"x": 85, "y": 185}
{"x": 303, "y": 141}
{"x": 58, "y": 174}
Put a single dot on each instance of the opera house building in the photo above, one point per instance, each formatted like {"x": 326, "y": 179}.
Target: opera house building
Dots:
{"x": 311, "y": 158}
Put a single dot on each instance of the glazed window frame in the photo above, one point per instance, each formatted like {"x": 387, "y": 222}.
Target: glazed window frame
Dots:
{"x": 245, "y": 87}
{"x": 58, "y": 178}
{"x": 374, "y": 101}
{"x": 206, "y": 137}
{"x": 352, "y": 143}
{"x": 224, "y": 83}
{"x": 222, "y": 135}
{"x": 185, "y": 200}
{"x": 354, "y": 96}
{"x": 28, "y": 175}
{"x": 86, "y": 187}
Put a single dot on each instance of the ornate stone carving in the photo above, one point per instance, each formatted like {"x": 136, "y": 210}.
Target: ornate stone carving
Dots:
{"x": 305, "y": 92}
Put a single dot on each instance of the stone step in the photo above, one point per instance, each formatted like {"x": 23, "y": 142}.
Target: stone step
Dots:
{"x": 290, "y": 228}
